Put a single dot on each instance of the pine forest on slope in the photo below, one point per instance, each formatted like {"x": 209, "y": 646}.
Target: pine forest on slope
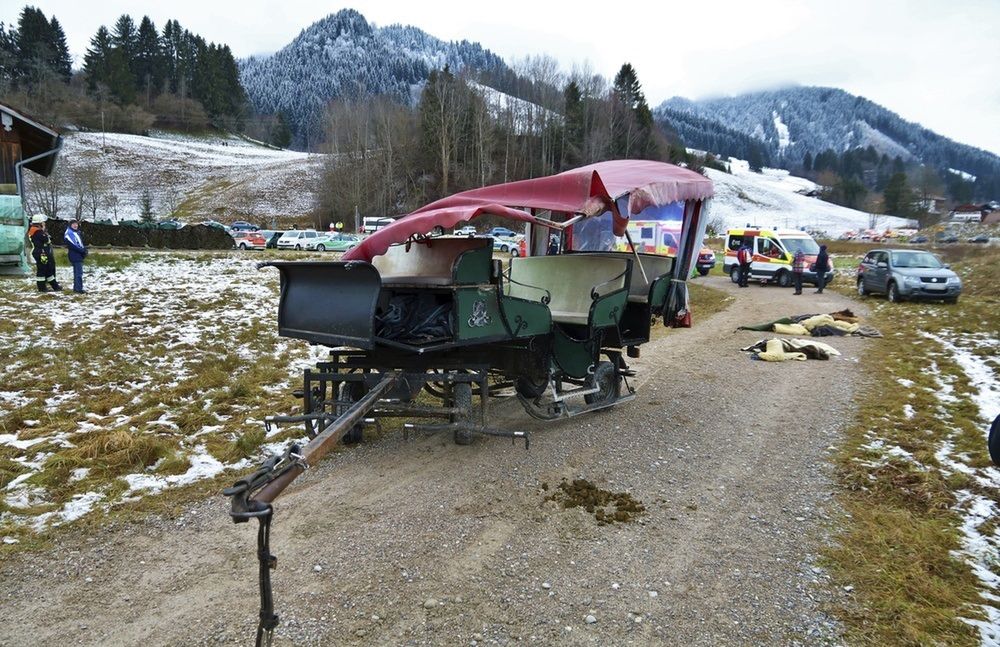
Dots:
{"x": 791, "y": 122}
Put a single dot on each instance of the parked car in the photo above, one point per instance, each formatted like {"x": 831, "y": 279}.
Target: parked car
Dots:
{"x": 947, "y": 238}
{"x": 371, "y": 224}
{"x": 907, "y": 274}
{"x": 507, "y": 245}
{"x": 298, "y": 239}
{"x": 918, "y": 240}
{"x": 502, "y": 232}
{"x": 467, "y": 230}
{"x": 249, "y": 240}
{"x": 243, "y": 225}
{"x": 334, "y": 242}
{"x": 981, "y": 238}
{"x": 271, "y": 236}
{"x": 706, "y": 261}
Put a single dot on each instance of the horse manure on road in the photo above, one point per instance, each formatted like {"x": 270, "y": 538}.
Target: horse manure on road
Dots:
{"x": 606, "y": 506}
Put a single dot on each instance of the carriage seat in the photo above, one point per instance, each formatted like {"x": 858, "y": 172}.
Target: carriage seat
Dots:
{"x": 430, "y": 263}
{"x": 654, "y": 264}
{"x": 570, "y": 279}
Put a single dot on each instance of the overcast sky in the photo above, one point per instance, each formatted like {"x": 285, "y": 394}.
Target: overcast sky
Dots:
{"x": 933, "y": 62}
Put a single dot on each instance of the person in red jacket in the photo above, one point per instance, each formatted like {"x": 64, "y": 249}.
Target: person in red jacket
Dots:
{"x": 744, "y": 256}
{"x": 41, "y": 251}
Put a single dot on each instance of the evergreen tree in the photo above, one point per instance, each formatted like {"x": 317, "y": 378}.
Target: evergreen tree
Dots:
{"x": 146, "y": 205}
{"x": 61, "y": 62}
{"x": 125, "y": 38}
{"x": 149, "y": 63}
{"x": 8, "y": 57}
{"x": 807, "y": 162}
{"x": 281, "y": 134}
{"x": 632, "y": 119}
{"x": 95, "y": 61}
{"x": 36, "y": 50}
{"x": 897, "y": 196}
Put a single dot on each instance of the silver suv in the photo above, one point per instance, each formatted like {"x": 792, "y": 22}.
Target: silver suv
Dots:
{"x": 907, "y": 274}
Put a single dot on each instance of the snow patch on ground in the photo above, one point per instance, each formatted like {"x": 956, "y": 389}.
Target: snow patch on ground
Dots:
{"x": 982, "y": 553}
{"x": 203, "y": 466}
{"x": 980, "y": 374}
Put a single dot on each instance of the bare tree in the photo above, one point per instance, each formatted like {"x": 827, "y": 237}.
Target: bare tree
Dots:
{"x": 46, "y": 194}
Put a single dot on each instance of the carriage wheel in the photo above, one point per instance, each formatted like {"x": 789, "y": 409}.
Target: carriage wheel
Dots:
{"x": 461, "y": 398}
{"x": 528, "y": 388}
{"x": 609, "y": 384}
{"x": 351, "y": 391}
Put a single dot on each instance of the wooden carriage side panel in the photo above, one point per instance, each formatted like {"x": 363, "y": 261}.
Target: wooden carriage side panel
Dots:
{"x": 526, "y": 318}
{"x": 477, "y": 314}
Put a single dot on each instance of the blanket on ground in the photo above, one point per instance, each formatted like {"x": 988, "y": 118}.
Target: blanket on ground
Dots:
{"x": 809, "y": 348}
{"x": 842, "y": 322}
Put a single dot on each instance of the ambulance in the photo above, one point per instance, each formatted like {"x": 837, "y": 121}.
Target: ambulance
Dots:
{"x": 773, "y": 251}
{"x": 661, "y": 237}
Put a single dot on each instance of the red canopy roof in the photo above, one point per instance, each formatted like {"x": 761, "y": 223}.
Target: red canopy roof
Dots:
{"x": 589, "y": 190}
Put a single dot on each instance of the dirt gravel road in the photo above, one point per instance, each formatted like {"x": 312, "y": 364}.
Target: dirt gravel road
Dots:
{"x": 422, "y": 542}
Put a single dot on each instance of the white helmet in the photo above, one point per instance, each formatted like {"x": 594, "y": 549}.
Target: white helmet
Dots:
{"x": 38, "y": 218}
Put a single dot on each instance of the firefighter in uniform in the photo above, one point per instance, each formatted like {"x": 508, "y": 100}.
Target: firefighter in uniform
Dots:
{"x": 41, "y": 251}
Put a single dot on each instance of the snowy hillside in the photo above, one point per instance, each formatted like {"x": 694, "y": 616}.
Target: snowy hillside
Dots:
{"x": 774, "y": 199}
{"x": 222, "y": 178}
{"x": 227, "y": 178}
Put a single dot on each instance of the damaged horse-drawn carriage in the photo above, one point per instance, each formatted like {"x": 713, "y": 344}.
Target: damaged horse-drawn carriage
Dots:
{"x": 413, "y": 311}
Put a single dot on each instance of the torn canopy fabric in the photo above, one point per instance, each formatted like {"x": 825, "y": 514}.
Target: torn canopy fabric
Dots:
{"x": 587, "y": 191}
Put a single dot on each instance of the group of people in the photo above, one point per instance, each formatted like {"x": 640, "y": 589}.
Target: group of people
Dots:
{"x": 744, "y": 257}
{"x": 45, "y": 260}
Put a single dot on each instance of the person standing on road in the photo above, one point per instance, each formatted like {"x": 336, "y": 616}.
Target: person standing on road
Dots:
{"x": 798, "y": 267}
{"x": 77, "y": 252}
{"x": 41, "y": 251}
{"x": 744, "y": 257}
{"x": 822, "y": 267}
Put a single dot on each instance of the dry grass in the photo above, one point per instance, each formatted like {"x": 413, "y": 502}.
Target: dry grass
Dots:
{"x": 902, "y": 507}
{"x": 136, "y": 379}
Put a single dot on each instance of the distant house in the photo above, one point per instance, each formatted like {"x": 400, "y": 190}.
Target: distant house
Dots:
{"x": 932, "y": 204}
{"x": 967, "y": 213}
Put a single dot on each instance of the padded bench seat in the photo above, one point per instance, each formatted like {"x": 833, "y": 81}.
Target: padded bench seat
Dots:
{"x": 431, "y": 263}
{"x": 654, "y": 265}
{"x": 570, "y": 279}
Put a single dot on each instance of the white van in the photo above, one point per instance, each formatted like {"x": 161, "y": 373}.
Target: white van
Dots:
{"x": 298, "y": 239}
{"x": 773, "y": 252}
{"x": 369, "y": 224}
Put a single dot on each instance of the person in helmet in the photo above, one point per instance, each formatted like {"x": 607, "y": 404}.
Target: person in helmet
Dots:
{"x": 41, "y": 251}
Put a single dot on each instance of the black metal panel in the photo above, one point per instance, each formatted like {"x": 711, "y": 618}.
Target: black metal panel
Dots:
{"x": 328, "y": 302}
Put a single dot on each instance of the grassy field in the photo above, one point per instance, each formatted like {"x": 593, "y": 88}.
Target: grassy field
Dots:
{"x": 919, "y": 543}
{"x": 154, "y": 381}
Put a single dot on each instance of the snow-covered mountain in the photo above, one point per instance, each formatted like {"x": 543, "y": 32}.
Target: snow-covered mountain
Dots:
{"x": 790, "y": 122}
{"x": 343, "y": 55}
